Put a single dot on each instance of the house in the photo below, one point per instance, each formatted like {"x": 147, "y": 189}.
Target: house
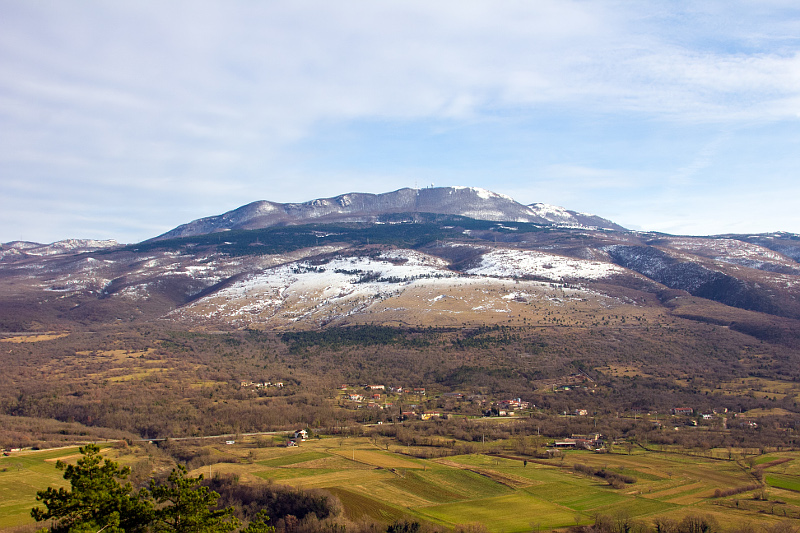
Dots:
{"x": 515, "y": 403}
{"x": 581, "y": 412}
{"x": 301, "y": 434}
{"x": 291, "y": 443}
{"x": 566, "y": 443}
{"x": 355, "y": 397}
{"x": 707, "y": 416}
{"x": 229, "y": 442}
{"x": 578, "y": 443}
{"x": 594, "y": 438}
{"x": 688, "y": 411}
{"x": 419, "y": 390}
{"x": 375, "y": 387}
{"x": 427, "y": 415}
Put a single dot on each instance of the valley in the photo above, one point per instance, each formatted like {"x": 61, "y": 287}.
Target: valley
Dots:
{"x": 411, "y": 341}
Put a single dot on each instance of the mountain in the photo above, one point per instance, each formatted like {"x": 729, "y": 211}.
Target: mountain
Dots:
{"x": 449, "y": 256}
{"x": 469, "y": 202}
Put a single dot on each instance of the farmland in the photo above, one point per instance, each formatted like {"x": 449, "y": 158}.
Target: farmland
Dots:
{"x": 379, "y": 481}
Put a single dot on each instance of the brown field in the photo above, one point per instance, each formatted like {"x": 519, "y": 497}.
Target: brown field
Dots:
{"x": 34, "y": 338}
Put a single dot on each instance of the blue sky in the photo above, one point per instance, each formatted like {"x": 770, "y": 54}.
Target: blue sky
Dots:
{"x": 124, "y": 119}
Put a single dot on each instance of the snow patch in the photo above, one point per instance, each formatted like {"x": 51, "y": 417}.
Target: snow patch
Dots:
{"x": 526, "y": 263}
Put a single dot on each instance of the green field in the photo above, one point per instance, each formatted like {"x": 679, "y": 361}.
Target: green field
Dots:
{"x": 504, "y": 494}
{"x": 782, "y": 481}
{"x": 21, "y": 476}
{"x": 292, "y": 459}
{"x": 514, "y": 512}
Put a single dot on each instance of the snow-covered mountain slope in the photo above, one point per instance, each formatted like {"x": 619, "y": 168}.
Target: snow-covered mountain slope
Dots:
{"x": 394, "y": 286}
{"x": 18, "y": 249}
{"x": 571, "y": 219}
{"x": 469, "y": 202}
{"x": 422, "y": 270}
{"x": 529, "y": 264}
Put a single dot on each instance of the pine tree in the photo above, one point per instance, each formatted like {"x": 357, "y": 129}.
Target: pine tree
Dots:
{"x": 183, "y": 506}
{"x": 96, "y": 500}
{"x": 259, "y": 524}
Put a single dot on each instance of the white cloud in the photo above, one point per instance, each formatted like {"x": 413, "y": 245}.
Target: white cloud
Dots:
{"x": 202, "y": 101}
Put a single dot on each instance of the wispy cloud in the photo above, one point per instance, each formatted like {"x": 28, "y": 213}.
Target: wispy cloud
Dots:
{"x": 199, "y": 103}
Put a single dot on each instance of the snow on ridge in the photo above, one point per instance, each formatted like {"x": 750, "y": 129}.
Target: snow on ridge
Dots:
{"x": 66, "y": 246}
{"x": 340, "y": 277}
{"x": 264, "y": 208}
{"x": 414, "y": 258}
{"x": 541, "y": 207}
{"x": 520, "y": 263}
{"x": 21, "y": 245}
{"x": 482, "y": 193}
{"x": 552, "y": 213}
{"x": 729, "y": 250}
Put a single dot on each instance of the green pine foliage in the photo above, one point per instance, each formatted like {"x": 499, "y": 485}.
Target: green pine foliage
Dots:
{"x": 183, "y": 506}
{"x": 259, "y": 524}
{"x": 99, "y": 501}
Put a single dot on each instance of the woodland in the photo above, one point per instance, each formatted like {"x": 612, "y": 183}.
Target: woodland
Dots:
{"x": 165, "y": 383}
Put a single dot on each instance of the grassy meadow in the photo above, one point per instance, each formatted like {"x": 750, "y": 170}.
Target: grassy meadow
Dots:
{"x": 504, "y": 494}
{"x": 21, "y": 475}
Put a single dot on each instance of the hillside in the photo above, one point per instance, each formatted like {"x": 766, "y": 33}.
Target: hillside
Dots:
{"x": 414, "y": 269}
{"x": 659, "y": 305}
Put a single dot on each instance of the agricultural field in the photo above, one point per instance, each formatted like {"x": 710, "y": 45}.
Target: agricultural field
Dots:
{"x": 21, "y": 475}
{"x": 509, "y": 494}
{"x": 504, "y": 493}
{"x": 24, "y": 473}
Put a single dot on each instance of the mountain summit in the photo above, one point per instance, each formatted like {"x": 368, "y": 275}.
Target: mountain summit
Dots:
{"x": 470, "y": 202}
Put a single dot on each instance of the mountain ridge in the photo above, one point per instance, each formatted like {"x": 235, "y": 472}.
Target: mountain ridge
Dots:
{"x": 471, "y": 202}
{"x": 391, "y": 258}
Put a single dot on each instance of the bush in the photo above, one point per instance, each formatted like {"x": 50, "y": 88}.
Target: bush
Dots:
{"x": 721, "y": 493}
{"x": 615, "y": 479}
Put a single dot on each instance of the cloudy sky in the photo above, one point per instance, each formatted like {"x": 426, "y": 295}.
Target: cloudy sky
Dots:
{"x": 124, "y": 119}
